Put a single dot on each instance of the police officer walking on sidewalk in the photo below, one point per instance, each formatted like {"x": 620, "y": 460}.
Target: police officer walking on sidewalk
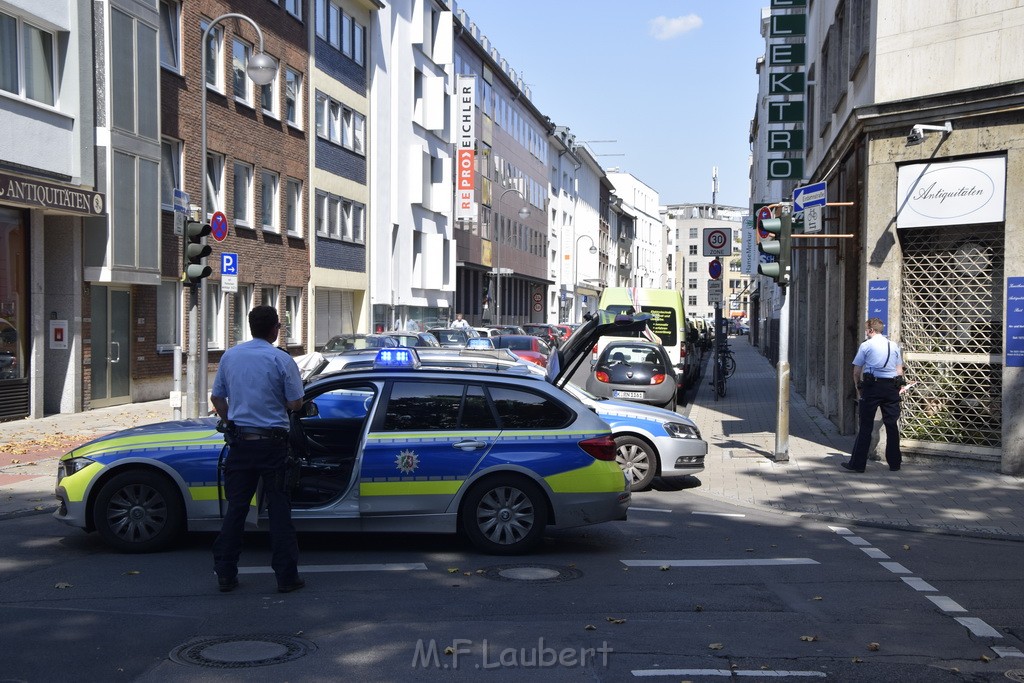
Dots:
{"x": 878, "y": 375}
{"x": 255, "y": 387}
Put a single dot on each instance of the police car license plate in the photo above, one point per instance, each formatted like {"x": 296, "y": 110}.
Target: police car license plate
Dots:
{"x": 627, "y": 394}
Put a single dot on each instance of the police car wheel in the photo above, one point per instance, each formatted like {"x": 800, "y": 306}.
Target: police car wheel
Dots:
{"x": 505, "y": 516}
{"x": 138, "y": 512}
{"x": 637, "y": 459}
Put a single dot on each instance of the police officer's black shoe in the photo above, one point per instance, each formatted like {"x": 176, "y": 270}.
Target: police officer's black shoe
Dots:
{"x": 289, "y": 587}
{"x": 227, "y": 585}
{"x": 848, "y": 466}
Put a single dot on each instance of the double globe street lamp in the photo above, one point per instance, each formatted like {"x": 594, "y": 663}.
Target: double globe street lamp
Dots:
{"x": 498, "y": 240}
{"x": 576, "y": 273}
{"x": 261, "y": 69}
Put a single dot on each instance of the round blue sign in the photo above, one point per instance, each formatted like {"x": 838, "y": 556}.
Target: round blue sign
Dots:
{"x": 219, "y": 226}
{"x": 715, "y": 269}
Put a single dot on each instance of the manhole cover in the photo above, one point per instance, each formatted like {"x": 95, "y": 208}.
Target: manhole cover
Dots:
{"x": 534, "y": 573}
{"x": 1015, "y": 675}
{"x": 240, "y": 652}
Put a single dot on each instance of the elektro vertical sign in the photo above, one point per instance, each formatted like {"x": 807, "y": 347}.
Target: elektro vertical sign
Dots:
{"x": 787, "y": 56}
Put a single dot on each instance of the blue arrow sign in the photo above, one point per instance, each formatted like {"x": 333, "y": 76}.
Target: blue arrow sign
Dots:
{"x": 228, "y": 263}
{"x": 809, "y": 195}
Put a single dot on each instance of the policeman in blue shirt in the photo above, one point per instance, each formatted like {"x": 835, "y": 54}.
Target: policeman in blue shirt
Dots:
{"x": 878, "y": 375}
{"x": 255, "y": 387}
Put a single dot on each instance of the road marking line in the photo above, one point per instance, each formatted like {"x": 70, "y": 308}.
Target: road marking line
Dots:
{"x": 765, "y": 673}
{"x": 768, "y": 562}
{"x": 719, "y": 514}
{"x": 895, "y": 567}
{"x": 918, "y": 584}
{"x": 875, "y": 553}
{"x": 1007, "y": 651}
{"x": 631, "y": 509}
{"x": 325, "y": 568}
{"x": 978, "y": 627}
{"x": 946, "y": 604}
{"x": 841, "y": 530}
{"x": 856, "y": 540}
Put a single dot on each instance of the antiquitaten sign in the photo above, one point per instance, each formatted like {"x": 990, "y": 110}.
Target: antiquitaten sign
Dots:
{"x": 38, "y": 194}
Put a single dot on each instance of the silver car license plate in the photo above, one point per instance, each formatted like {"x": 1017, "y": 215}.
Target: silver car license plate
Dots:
{"x": 627, "y": 394}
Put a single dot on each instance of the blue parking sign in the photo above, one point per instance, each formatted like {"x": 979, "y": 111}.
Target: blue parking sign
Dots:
{"x": 228, "y": 263}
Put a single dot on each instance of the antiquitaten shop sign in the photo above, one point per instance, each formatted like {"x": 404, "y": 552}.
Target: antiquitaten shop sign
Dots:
{"x": 964, "y": 192}
{"x": 37, "y": 194}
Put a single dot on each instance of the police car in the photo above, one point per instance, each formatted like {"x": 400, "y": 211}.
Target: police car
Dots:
{"x": 500, "y": 456}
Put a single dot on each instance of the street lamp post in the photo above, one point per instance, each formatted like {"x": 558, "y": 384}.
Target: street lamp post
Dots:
{"x": 576, "y": 273}
{"x": 261, "y": 70}
{"x": 524, "y": 213}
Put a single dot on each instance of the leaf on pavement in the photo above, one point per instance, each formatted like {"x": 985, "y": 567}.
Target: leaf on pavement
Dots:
{"x": 62, "y": 585}
{"x": 715, "y": 646}
{"x": 698, "y": 608}
{"x": 453, "y": 570}
{"x": 809, "y": 639}
{"x": 986, "y": 658}
{"x": 857, "y": 660}
{"x": 449, "y": 650}
{"x": 817, "y": 597}
{"x": 615, "y": 620}
{"x": 589, "y": 627}
{"x": 874, "y": 647}
{"x": 132, "y": 572}
{"x": 664, "y": 567}
{"x": 906, "y": 547}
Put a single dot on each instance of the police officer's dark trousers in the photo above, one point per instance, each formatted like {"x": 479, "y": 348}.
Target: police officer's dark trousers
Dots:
{"x": 246, "y": 463}
{"x": 880, "y": 393}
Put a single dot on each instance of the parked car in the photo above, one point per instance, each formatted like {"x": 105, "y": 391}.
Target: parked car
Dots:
{"x": 527, "y": 347}
{"x": 509, "y": 329}
{"x": 637, "y": 371}
{"x": 379, "y": 458}
{"x": 354, "y": 342}
{"x": 549, "y": 333}
{"x": 413, "y": 339}
{"x": 451, "y": 337}
{"x": 487, "y": 331}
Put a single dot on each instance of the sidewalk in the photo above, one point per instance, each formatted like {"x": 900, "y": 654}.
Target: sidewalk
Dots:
{"x": 923, "y": 495}
{"x": 740, "y": 431}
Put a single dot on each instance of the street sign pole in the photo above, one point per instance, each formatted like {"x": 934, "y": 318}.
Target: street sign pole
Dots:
{"x": 782, "y": 372}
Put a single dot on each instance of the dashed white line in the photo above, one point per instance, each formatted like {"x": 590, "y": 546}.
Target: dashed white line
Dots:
{"x": 325, "y": 568}
{"x": 895, "y": 567}
{"x": 946, "y": 604}
{"x": 768, "y": 562}
{"x": 978, "y": 627}
{"x": 766, "y": 673}
{"x": 636, "y": 509}
{"x": 1007, "y": 651}
{"x": 919, "y": 584}
{"x": 719, "y": 514}
{"x": 875, "y": 553}
{"x": 841, "y": 530}
{"x": 856, "y": 540}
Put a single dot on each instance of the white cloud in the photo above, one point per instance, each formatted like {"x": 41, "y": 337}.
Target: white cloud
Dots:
{"x": 666, "y": 28}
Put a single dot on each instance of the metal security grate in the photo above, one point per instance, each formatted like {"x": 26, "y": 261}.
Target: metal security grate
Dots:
{"x": 952, "y": 329}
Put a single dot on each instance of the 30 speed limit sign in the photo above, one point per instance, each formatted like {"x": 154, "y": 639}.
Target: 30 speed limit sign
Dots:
{"x": 718, "y": 241}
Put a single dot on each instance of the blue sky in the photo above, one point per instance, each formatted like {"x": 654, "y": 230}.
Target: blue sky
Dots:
{"x": 671, "y": 81}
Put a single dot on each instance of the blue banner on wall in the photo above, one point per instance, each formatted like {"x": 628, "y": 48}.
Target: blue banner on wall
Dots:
{"x": 878, "y": 302}
{"x": 1015, "y": 322}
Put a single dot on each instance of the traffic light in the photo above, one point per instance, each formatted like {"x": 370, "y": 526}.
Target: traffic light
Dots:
{"x": 781, "y": 230}
{"x": 193, "y": 251}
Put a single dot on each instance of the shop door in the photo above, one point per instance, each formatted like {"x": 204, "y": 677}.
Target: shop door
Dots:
{"x": 111, "y": 346}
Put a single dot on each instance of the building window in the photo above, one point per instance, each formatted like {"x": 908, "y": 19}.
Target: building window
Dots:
{"x": 693, "y": 250}
{"x": 691, "y": 300}
{"x": 692, "y": 267}
{"x": 358, "y": 229}
{"x": 27, "y": 65}
{"x": 293, "y": 97}
{"x": 268, "y": 296}
{"x": 240, "y": 80}
{"x": 170, "y": 172}
{"x": 243, "y": 193}
{"x": 321, "y": 18}
{"x": 214, "y": 72}
{"x": 168, "y": 315}
{"x": 320, "y": 115}
{"x": 691, "y": 283}
{"x": 215, "y": 323}
{"x": 170, "y": 42}
{"x": 358, "y": 41}
{"x": 242, "y": 304}
{"x": 334, "y": 25}
{"x": 320, "y": 219}
{"x": 693, "y": 233}
{"x": 293, "y": 207}
{"x": 334, "y": 217}
{"x": 269, "y": 97}
{"x": 214, "y": 182}
{"x": 294, "y": 8}
{"x": 270, "y": 202}
{"x": 293, "y": 316}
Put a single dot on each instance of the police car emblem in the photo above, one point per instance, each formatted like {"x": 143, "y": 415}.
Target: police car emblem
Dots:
{"x": 407, "y": 462}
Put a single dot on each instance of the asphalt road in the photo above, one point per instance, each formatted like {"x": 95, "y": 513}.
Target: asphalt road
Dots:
{"x": 685, "y": 589}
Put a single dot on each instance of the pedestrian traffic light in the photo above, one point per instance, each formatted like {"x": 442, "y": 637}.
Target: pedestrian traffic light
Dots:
{"x": 194, "y": 251}
{"x": 781, "y": 230}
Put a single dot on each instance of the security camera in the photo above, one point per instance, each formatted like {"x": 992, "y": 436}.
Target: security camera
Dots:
{"x": 917, "y": 133}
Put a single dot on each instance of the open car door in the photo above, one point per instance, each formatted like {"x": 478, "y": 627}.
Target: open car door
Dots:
{"x": 566, "y": 358}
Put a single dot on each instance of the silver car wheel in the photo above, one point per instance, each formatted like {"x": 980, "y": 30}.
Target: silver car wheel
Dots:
{"x": 505, "y": 515}
{"x": 637, "y": 461}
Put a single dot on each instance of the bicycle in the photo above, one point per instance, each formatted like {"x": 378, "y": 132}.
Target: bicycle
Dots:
{"x": 728, "y": 362}
{"x": 720, "y": 375}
